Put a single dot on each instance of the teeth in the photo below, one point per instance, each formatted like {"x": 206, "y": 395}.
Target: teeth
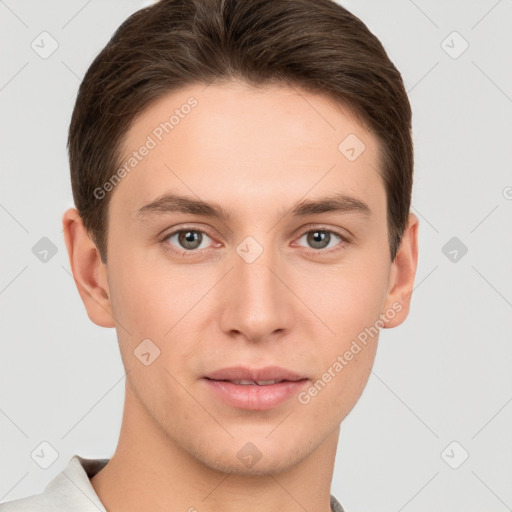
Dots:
{"x": 255, "y": 382}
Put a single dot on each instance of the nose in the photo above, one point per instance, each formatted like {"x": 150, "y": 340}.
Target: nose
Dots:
{"x": 256, "y": 302}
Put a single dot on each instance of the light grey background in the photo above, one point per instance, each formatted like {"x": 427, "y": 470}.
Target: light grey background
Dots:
{"x": 443, "y": 376}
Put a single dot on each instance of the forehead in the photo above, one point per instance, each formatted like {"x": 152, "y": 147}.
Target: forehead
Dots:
{"x": 234, "y": 141}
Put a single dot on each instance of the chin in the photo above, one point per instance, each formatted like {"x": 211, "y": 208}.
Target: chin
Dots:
{"x": 274, "y": 463}
{"x": 254, "y": 455}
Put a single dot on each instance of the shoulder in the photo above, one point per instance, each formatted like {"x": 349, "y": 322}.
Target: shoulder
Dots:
{"x": 35, "y": 503}
{"x": 335, "y": 505}
{"x": 70, "y": 490}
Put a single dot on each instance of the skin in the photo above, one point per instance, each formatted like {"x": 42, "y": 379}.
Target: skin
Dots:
{"x": 255, "y": 152}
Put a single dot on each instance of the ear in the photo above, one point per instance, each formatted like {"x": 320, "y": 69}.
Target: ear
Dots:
{"x": 402, "y": 275}
{"x": 89, "y": 272}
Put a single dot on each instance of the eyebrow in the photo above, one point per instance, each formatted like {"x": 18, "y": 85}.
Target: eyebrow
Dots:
{"x": 172, "y": 203}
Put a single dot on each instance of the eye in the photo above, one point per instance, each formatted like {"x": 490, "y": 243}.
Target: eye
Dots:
{"x": 320, "y": 239}
{"x": 188, "y": 240}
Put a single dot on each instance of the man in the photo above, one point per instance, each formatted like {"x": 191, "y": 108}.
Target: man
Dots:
{"x": 242, "y": 173}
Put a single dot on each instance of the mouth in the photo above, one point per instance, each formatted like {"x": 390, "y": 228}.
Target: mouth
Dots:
{"x": 243, "y": 382}
{"x": 255, "y": 389}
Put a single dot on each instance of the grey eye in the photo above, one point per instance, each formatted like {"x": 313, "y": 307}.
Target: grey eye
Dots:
{"x": 189, "y": 239}
{"x": 320, "y": 238}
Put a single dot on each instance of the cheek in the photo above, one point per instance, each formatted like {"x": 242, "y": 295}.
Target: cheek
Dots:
{"x": 344, "y": 361}
{"x": 346, "y": 299}
{"x": 147, "y": 298}
{"x": 163, "y": 304}
{"x": 349, "y": 303}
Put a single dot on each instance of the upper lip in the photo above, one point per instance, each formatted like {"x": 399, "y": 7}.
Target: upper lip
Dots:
{"x": 255, "y": 374}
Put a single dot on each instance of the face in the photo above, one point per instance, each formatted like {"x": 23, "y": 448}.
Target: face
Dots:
{"x": 271, "y": 290}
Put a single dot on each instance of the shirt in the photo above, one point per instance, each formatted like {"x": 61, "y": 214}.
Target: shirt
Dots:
{"x": 72, "y": 491}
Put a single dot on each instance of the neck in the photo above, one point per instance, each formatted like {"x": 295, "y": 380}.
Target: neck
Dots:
{"x": 149, "y": 471}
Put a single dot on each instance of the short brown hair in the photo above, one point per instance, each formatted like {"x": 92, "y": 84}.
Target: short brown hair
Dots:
{"x": 313, "y": 44}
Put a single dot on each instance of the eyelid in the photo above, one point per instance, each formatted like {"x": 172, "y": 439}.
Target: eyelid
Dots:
{"x": 345, "y": 239}
{"x": 183, "y": 252}
{"x": 344, "y": 234}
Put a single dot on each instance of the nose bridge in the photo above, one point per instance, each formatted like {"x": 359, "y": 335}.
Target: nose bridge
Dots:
{"x": 257, "y": 305}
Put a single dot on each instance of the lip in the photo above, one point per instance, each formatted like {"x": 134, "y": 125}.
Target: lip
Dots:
{"x": 253, "y": 396}
{"x": 244, "y": 373}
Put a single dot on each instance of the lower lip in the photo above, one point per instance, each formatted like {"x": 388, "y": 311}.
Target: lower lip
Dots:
{"x": 254, "y": 397}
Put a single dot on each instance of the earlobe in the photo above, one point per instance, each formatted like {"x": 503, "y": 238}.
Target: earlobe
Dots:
{"x": 402, "y": 276}
{"x": 88, "y": 270}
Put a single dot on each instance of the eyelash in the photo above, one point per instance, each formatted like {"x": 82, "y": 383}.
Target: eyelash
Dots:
{"x": 195, "y": 252}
